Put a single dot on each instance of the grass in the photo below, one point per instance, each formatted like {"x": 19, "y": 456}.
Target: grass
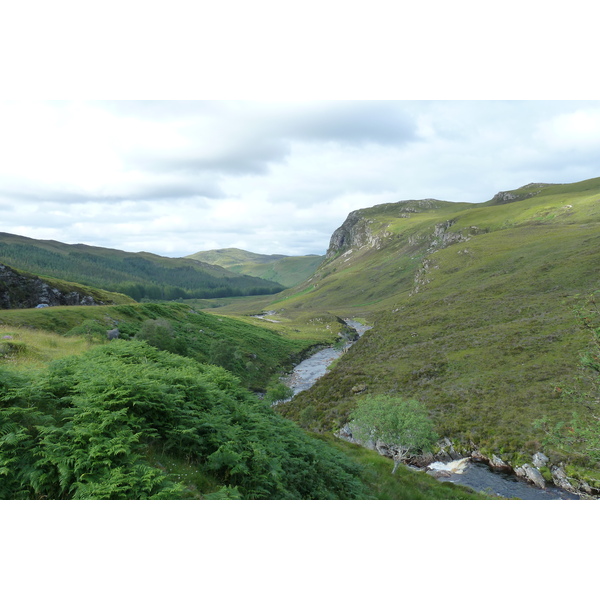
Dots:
{"x": 25, "y": 349}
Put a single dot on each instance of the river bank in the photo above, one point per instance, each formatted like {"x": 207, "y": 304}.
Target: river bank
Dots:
{"x": 478, "y": 472}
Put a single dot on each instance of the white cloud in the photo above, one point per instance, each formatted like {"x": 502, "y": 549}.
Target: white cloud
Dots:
{"x": 577, "y": 130}
{"x": 271, "y": 177}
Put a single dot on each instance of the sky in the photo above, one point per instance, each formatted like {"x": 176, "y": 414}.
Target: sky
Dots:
{"x": 273, "y": 177}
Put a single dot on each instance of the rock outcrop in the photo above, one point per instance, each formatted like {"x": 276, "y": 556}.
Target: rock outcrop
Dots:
{"x": 354, "y": 233}
{"x": 23, "y": 291}
{"x": 531, "y": 474}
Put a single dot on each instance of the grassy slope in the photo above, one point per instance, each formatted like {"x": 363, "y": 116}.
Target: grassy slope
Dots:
{"x": 262, "y": 352}
{"x": 286, "y": 270}
{"x": 482, "y": 331}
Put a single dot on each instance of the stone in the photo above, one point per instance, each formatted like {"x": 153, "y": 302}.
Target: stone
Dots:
{"x": 357, "y": 389}
{"x": 540, "y": 460}
{"x": 497, "y": 462}
{"x": 531, "y": 474}
{"x": 560, "y": 479}
{"x": 24, "y": 291}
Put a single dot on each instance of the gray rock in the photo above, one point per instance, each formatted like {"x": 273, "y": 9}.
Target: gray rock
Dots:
{"x": 531, "y": 474}
{"x": 540, "y": 460}
{"x": 497, "y": 462}
{"x": 560, "y": 479}
{"x": 112, "y": 334}
{"x": 25, "y": 291}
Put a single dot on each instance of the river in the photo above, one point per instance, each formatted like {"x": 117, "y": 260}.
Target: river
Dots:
{"x": 476, "y": 475}
{"x": 479, "y": 476}
{"x": 308, "y": 371}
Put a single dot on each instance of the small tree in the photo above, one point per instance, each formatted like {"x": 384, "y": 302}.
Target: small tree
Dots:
{"x": 402, "y": 425}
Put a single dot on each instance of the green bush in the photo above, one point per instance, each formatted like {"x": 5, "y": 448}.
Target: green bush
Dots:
{"x": 85, "y": 427}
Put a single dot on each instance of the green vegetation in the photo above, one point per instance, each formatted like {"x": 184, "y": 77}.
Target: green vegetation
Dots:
{"x": 139, "y": 275}
{"x": 81, "y": 417}
{"x": 474, "y": 313}
{"x": 286, "y": 270}
{"x": 579, "y": 436}
{"x": 24, "y": 349}
{"x": 255, "y": 354}
{"x": 402, "y": 425}
{"x": 88, "y": 427}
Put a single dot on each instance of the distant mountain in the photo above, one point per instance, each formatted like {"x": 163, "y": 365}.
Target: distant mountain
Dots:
{"x": 139, "y": 275}
{"x": 285, "y": 270}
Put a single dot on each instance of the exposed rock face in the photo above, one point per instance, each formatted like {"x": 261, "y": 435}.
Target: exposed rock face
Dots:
{"x": 354, "y": 233}
{"x": 21, "y": 291}
{"x": 508, "y": 197}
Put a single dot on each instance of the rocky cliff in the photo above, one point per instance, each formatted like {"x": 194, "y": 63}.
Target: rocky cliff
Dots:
{"x": 18, "y": 290}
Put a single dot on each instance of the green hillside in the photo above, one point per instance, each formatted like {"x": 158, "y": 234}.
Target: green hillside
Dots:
{"x": 285, "y": 270}
{"x": 139, "y": 275}
{"x": 254, "y": 354}
{"x": 155, "y": 414}
{"x": 473, "y": 307}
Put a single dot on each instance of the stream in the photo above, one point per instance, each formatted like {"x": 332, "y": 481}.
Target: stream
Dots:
{"x": 482, "y": 478}
{"x": 308, "y": 371}
{"x": 476, "y": 475}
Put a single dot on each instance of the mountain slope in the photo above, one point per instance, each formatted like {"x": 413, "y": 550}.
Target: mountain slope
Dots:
{"x": 285, "y": 270}
{"x": 473, "y": 311}
{"x": 138, "y": 275}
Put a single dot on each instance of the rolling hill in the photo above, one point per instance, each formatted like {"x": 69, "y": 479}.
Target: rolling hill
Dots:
{"x": 139, "y": 275}
{"x": 285, "y": 270}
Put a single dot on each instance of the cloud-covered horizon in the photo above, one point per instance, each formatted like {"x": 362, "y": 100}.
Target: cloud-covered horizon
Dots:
{"x": 174, "y": 178}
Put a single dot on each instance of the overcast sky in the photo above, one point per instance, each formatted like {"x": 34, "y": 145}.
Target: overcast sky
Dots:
{"x": 175, "y": 178}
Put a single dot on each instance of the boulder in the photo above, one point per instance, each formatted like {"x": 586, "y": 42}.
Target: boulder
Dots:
{"x": 498, "y": 463}
{"x": 540, "y": 460}
{"x": 560, "y": 479}
{"x": 531, "y": 474}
